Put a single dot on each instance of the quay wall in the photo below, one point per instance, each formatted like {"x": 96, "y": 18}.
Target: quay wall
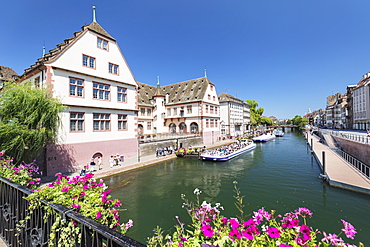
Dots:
{"x": 150, "y": 147}
{"x": 360, "y": 151}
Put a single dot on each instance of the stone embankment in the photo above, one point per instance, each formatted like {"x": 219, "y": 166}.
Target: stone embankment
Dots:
{"x": 338, "y": 172}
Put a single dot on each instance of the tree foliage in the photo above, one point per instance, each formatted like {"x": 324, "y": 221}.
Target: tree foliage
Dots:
{"x": 29, "y": 120}
{"x": 255, "y": 112}
{"x": 267, "y": 121}
{"x": 298, "y": 120}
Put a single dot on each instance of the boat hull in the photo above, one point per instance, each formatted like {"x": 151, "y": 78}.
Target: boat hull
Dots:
{"x": 264, "y": 138}
{"x": 228, "y": 157}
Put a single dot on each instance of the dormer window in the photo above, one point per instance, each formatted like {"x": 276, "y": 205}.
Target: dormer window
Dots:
{"x": 102, "y": 44}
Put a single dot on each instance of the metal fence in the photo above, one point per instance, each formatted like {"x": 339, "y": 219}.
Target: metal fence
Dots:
{"x": 353, "y": 137}
{"x": 361, "y": 167}
{"x": 13, "y": 209}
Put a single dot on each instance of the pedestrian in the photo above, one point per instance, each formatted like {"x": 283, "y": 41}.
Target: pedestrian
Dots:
{"x": 156, "y": 152}
{"x": 99, "y": 163}
{"x": 84, "y": 171}
{"x": 111, "y": 161}
{"x": 92, "y": 165}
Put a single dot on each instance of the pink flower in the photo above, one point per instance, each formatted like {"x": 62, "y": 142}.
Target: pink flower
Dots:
{"x": 234, "y": 234}
{"x": 305, "y": 230}
{"x": 207, "y": 230}
{"x": 76, "y": 206}
{"x": 273, "y": 232}
{"x": 98, "y": 215}
{"x": 234, "y": 223}
{"x": 348, "y": 229}
{"x": 65, "y": 189}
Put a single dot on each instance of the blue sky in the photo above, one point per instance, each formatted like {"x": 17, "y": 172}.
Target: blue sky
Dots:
{"x": 287, "y": 55}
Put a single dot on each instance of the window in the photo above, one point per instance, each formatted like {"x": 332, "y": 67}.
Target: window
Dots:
{"x": 189, "y": 107}
{"x": 206, "y": 108}
{"x": 142, "y": 111}
{"x": 214, "y": 98}
{"x": 101, "y": 122}
{"x": 169, "y": 112}
{"x": 211, "y": 88}
{"x": 149, "y": 112}
{"x": 76, "y": 87}
{"x": 211, "y": 109}
{"x": 212, "y": 123}
{"x": 76, "y": 121}
{"x": 149, "y": 125}
{"x": 207, "y": 123}
{"x": 37, "y": 81}
{"x": 209, "y": 97}
{"x": 101, "y": 91}
{"x": 175, "y": 111}
{"x": 113, "y": 68}
{"x": 122, "y": 122}
{"x": 88, "y": 61}
{"x": 121, "y": 94}
{"x": 102, "y": 44}
{"x": 215, "y": 109}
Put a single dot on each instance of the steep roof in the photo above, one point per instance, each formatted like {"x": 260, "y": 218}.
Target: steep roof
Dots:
{"x": 224, "y": 97}
{"x": 178, "y": 93}
{"x": 53, "y": 53}
{"x": 7, "y": 73}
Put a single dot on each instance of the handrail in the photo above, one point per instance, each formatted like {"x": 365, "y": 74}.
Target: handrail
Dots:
{"x": 13, "y": 209}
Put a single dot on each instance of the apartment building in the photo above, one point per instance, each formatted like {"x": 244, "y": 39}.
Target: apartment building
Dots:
{"x": 92, "y": 79}
{"x": 361, "y": 103}
{"x": 235, "y": 115}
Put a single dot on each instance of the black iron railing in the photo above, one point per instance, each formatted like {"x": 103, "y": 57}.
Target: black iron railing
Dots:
{"x": 361, "y": 167}
{"x": 36, "y": 231}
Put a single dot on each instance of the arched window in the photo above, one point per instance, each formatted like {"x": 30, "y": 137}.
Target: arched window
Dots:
{"x": 172, "y": 128}
{"x": 140, "y": 129}
{"x": 194, "y": 128}
{"x": 182, "y": 128}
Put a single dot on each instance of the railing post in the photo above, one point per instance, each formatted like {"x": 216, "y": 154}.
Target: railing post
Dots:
{"x": 311, "y": 144}
{"x": 323, "y": 163}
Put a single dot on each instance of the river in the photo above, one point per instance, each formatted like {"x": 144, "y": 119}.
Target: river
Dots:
{"x": 280, "y": 175}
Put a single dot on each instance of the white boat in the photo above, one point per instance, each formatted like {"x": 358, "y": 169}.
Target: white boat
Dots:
{"x": 223, "y": 155}
{"x": 264, "y": 138}
{"x": 278, "y": 133}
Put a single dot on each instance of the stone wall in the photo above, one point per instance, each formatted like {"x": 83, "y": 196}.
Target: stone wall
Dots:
{"x": 359, "y": 150}
{"x": 150, "y": 148}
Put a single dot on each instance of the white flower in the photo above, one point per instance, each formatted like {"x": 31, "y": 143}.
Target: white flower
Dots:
{"x": 197, "y": 191}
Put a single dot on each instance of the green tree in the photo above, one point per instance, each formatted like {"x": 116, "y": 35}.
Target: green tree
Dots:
{"x": 255, "y": 112}
{"x": 29, "y": 120}
{"x": 298, "y": 120}
{"x": 267, "y": 121}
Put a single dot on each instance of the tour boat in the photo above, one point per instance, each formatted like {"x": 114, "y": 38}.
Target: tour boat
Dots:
{"x": 264, "y": 138}
{"x": 214, "y": 155}
{"x": 278, "y": 133}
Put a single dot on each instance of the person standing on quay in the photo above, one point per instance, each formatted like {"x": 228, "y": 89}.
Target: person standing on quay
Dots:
{"x": 111, "y": 161}
{"x": 92, "y": 165}
{"x": 99, "y": 163}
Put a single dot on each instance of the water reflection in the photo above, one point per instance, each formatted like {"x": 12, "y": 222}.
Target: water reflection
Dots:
{"x": 277, "y": 175}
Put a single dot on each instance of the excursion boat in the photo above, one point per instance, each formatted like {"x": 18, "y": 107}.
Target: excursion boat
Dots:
{"x": 278, "y": 133}
{"x": 241, "y": 147}
{"x": 264, "y": 138}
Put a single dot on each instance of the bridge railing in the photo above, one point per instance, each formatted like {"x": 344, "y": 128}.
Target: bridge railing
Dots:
{"x": 36, "y": 232}
{"x": 361, "y": 167}
{"x": 353, "y": 137}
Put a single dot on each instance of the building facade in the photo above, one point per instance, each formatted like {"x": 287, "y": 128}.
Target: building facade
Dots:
{"x": 235, "y": 115}
{"x": 92, "y": 79}
{"x": 189, "y": 107}
{"x": 361, "y": 103}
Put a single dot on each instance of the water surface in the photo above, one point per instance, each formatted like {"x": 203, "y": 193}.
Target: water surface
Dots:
{"x": 280, "y": 175}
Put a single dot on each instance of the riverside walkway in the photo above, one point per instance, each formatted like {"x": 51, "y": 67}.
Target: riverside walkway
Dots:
{"x": 339, "y": 173}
